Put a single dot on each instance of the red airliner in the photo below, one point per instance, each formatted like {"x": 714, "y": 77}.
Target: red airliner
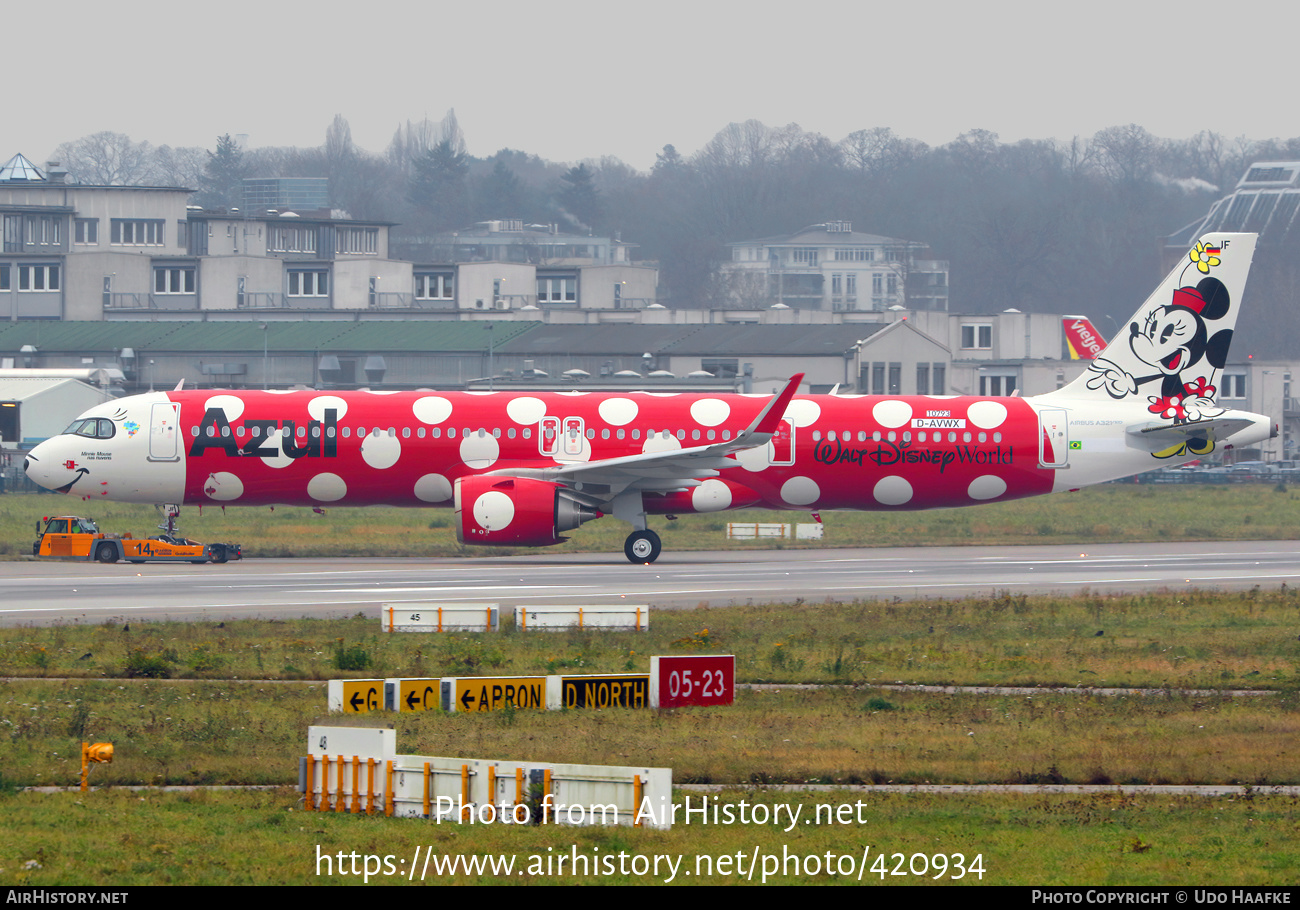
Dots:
{"x": 520, "y": 469}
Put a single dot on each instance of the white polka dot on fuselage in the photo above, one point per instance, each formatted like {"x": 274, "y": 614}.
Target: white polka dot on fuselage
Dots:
{"x": 231, "y": 405}
{"x": 711, "y": 496}
{"x": 381, "y": 450}
{"x": 618, "y": 412}
{"x": 479, "y": 452}
{"x": 223, "y": 487}
{"x": 757, "y": 458}
{"x": 433, "y": 488}
{"x": 800, "y": 491}
{"x": 660, "y": 443}
{"x": 987, "y": 486}
{"x": 892, "y": 413}
{"x": 802, "y": 412}
{"x": 710, "y": 412}
{"x": 327, "y": 488}
{"x": 892, "y": 491}
{"x": 431, "y": 409}
{"x": 526, "y": 409}
{"x": 276, "y": 442}
{"x": 987, "y": 415}
{"x": 317, "y": 407}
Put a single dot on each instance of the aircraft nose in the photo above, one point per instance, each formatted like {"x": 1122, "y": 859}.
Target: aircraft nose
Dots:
{"x": 37, "y": 467}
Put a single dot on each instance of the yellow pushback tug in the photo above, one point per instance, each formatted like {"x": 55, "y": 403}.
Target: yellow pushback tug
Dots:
{"x": 72, "y": 537}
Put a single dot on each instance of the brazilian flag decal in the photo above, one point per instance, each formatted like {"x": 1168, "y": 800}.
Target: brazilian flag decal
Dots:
{"x": 1077, "y": 444}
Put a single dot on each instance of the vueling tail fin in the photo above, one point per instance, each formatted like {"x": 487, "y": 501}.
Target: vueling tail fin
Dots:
{"x": 1176, "y": 345}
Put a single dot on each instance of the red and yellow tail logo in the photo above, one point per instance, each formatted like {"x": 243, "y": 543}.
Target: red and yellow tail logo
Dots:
{"x": 1084, "y": 341}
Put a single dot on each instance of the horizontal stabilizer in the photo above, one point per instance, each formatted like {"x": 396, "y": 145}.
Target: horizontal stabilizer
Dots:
{"x": 1157, "y": 436}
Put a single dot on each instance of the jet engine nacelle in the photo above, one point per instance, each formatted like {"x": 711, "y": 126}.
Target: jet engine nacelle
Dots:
{"x": 515, "y": 511}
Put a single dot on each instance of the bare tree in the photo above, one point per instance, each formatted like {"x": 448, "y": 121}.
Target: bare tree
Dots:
{"x": 338, "y": 141}
{"x": 738, "y": 145}
{"x": 415, "y": 140}
{"x": 744, "y": 289}
{"x": 1077, "y": 157}
{"x": 1127, "y": 154}
{"x": 106, "y": 159}
{"x": 178, "y": 166}
{"x": 869, "y": 151}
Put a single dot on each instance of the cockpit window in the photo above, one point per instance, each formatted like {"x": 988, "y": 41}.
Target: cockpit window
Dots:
{"x": 93, "y": 428}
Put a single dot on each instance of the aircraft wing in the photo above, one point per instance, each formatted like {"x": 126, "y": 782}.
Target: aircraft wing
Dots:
{"x": 674, "y": 469}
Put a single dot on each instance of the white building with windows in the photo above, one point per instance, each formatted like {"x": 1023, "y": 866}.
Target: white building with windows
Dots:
{"x": 508, "y": 265}
{"x": 69, "y": 248}
{"x": 292, "y": 261}
{"x": 832, "y": 267}
{"x": 75, "y": 252}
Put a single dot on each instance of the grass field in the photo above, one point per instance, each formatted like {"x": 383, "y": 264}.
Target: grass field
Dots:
{"x": 212, "y": 729}
{"x": 118, "y": 838}
{"x": 1189, "y": 639}
{"x": 1113, "y": 513}
{"x": 176, "y": 732}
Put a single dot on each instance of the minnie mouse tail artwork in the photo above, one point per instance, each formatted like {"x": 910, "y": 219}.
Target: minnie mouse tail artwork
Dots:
{"x": 1161, "y": 376}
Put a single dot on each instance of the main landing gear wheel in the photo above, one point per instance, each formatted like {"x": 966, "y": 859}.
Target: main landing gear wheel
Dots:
{"x": 642, "y": 547}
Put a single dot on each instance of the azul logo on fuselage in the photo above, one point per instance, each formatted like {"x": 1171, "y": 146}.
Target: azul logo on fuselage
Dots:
{"x": 319, "y": 438}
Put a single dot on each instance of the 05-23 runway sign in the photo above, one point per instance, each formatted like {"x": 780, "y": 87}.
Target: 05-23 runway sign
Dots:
{"x": 699, "y": 679}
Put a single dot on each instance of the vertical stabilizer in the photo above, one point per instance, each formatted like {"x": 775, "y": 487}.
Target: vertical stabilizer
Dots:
{"x": 1173, "y": 351}
{"x": 1081, "y": 337}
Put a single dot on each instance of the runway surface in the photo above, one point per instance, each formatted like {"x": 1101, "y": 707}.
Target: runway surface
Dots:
{"x": 48, "y": 592}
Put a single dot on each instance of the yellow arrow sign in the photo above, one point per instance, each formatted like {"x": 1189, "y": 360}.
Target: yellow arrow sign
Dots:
{"x": 361, "y": 696}
{"x": 418, "y": 695}
{"x": 496, "y": 692}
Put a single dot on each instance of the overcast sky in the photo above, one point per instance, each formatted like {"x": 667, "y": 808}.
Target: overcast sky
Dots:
{"x": 575, "y": 79}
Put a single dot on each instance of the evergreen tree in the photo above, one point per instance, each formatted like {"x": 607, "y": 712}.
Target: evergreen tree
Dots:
{"x": 222, "y": 175}
{"x": 438, "y": 188}
{"x": 501, "y": 194}
{"x": 580, "y": 199}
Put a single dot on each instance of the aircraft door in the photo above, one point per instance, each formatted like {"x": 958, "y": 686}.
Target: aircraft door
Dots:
{"x": 573, "y": 436}
{"x": 549, "y": 436}
{"x": 1053, "y": 438}
{"x": 562, "y": 438}
{"x": 782, "y": 444}
{"x": 164, "y": 434}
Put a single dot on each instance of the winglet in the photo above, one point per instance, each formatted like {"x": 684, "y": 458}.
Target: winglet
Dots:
{"x": 769, "y": 419}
